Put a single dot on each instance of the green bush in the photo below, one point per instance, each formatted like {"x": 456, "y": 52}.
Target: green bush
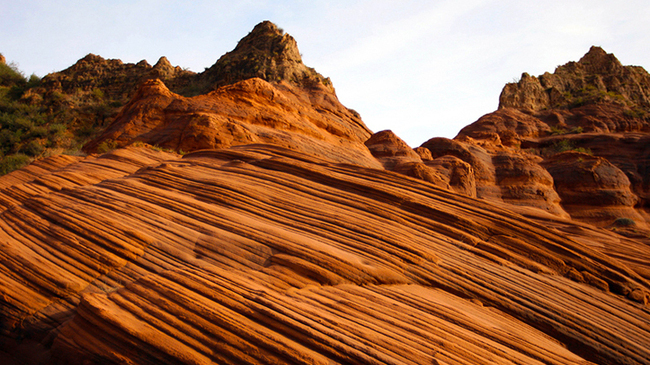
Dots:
{"x": 13, "y": 162}
{"x": 624, "y": 222}
{"x": 97, "y": 94}
{"x": 563, "y": 146}
{"x": 555, "y": 130}
{"x": 38, "y": 132}
{"x": 10, "y": 75}
{"x": 106, "y": 146}
{"x": 32, "y": 148}
{"x": 583, "y": 150}
{"x": 57, "y": 129}
{"x": 9, "y": 140}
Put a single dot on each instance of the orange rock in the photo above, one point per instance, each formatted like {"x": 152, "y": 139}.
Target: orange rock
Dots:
{"x": 291, "y": 234}
{"x": 250, "y": 111}
{"x": 259, "y": 252}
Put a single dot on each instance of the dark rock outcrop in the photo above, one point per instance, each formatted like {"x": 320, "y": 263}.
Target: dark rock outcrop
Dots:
{"x": 115, "y": 79}
{"x": 596, "y": 77}
{"x": 268, "y": 53}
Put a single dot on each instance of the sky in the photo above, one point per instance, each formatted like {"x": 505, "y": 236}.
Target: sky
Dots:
{"x": 422, "y": 69}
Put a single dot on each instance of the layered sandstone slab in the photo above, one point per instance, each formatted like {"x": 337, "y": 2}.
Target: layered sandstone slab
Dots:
{"x": 260, "y": 254}
{"x": 284, "y": 231}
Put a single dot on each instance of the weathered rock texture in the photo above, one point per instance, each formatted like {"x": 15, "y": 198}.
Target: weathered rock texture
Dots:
{"x": 293, "y": 235}
{"x": 266, "y": 53}
{"x": 296, "y": 108}
{"x": 597, "y": 76}
{"x": 259, "y": 254}
{"x": 595, "y": 107}
{"x": 115, "y": 79}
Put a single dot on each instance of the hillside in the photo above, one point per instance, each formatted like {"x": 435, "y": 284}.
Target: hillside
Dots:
{"x": 244, "y": 216}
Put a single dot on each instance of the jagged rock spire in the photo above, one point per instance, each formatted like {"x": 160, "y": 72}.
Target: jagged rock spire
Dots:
{"x": 267, "y": 52}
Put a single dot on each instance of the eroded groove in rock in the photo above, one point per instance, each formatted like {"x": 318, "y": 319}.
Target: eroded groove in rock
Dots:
{"x": 231, "y": 261}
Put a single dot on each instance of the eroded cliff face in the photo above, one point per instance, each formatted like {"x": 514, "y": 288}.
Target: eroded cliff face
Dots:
{"x": 261, "y": 222}
{"x": 572, "y": 143}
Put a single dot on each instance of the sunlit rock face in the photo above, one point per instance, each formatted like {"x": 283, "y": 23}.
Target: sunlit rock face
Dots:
{"x": 587, "y": 124}
{"x": 261, "y": 222}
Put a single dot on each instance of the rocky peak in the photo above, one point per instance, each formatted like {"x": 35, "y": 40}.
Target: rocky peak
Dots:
{"x": 597, "y": 61}
{"x": 164, "y": 70}
{"x": 268, "y": 38}
{"x": 3, "y": 60}
{"x": 267, "y": 52}
{"x": 163, "y": 63}
{"x": 116, "y": 79}
{"x": 598, "y": 77}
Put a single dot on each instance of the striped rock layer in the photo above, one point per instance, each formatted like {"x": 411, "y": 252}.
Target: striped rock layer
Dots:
{"x": 263, "y": 255}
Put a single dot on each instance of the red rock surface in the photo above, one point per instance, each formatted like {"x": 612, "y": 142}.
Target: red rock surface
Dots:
{"x": 242, "y": 255}
{"x": 250, "y": 111}
{"x": 291, "y": 234}
{"x": 596, "y": 107}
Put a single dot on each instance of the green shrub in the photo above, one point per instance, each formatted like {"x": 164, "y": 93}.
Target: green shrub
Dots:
{"x": 13, "y": 162}
{"x": 32, "y": 148}
{"x": 10, "y": 75}
{"x": 9, "y": 140}
{"x": 583, "y": 150}
{"x": 635, "y": 113}
{"x": 38, "y": 132}
{"x": 98, "y": 94}
{"x": 555, "y": 130}
{"x": 624, "y": 222}
{"x": 33, "y": 81}
{"x": 563, "y": 146}
{"x": 106, "y": 146}
{"x": 57, "y": 129}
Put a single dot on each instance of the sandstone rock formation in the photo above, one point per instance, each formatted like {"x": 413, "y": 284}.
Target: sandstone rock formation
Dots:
{"x": 286, "y": 232}
{"x": 266, "y": 53}
{"x": 250, "y": 111}
{"x": 296, "y": 108}
{"x": 241, "y": 255}
{"x": 597, "y": 76}
{"x": 114, "y": 78}
{"x": 594, "y": 106}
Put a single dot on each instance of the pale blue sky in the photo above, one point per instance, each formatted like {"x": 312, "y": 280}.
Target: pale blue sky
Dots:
{"x": 421, "y": 68}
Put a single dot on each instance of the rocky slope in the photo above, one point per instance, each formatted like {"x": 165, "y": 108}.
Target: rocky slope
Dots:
{"x": 286, "y": 232}
{"x": 264, "y": 94}
{"x": 242, "y": 255}
{"x": 572, "y": 143}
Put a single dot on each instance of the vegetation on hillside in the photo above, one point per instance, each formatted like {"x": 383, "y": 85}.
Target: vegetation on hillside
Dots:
{"x": 36, "y": 122}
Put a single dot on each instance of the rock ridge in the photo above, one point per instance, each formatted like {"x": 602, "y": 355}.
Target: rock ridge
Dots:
{"x": 598, "y": 76}
{"x": 268, "y": 53}
{"x": 573, "y": 143}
